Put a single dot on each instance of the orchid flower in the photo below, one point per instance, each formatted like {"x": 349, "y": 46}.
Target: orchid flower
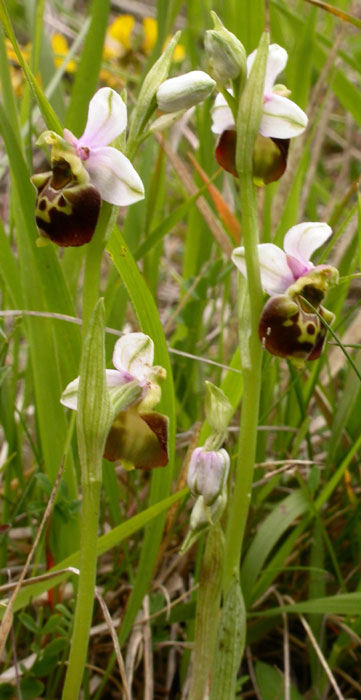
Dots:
{"x": 281, "y": 118}
{"x": 84, "y": 171}
{"x": 138, "y": 435}
{"x": 290, "y": 324}
{"x": 281, "y": 268}
{"x": 111, "y": 173}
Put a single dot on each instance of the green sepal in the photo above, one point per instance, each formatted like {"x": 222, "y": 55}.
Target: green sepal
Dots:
{"x": 226, "y": 54}
{"x": 218, "y": 413}
{"x": 250, "y": 110}
{"x": 146, "y": 103}
{"x": 94, "y": 412}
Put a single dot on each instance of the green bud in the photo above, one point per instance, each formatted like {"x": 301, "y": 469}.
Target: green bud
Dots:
{"x": 226, "y": 54}
{"x": 184, "y": 91}
{"x": 218, "y": 408}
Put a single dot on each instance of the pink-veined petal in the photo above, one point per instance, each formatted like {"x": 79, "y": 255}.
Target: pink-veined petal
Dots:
{"x": 134, "y": 353}
{"x": 276, "y": 62}
{"x": 282, "y": 118}
{"x": 114, "y": 176}
{"x": 276, "y": 276}
{"x": 302, "y": 240}
{"x": 222, "y": 117}
{"x": 107, "y": 118}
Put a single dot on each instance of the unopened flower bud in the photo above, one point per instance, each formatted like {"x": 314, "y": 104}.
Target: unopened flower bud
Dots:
{"x": 226, "y": 54}
{"x": 202, "y": 516}
{"x": 184, "y": 91}
{"x": 207, "y": 473}
{"x": 218, "y": 408}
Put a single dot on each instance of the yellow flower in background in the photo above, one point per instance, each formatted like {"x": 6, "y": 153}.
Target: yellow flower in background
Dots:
{"x": 17, "y": 76}
{"x": 60, "y": 48}
{"x": 150, "y": 28}
{"x": 179, "y": 51}
{"x": 121, "y": 30}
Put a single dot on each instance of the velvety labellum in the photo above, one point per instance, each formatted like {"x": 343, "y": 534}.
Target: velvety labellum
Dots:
{"x": 269, "y": 156}
{"x": 66, "y": 210}
{"x": 288, "y": 329}
{"x": 138, "y": 438}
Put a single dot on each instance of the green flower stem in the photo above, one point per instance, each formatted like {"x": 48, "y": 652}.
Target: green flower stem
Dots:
{"x": 241, "y": 497}
{"x": 85, "y": 598}
{"x": 248, "y": 120}
{"x": 93, "y": 259}
{"x": 208, "y": 600}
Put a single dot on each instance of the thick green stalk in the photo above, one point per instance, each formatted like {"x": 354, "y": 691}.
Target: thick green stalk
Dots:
{"x": 232, "y": 628}
{"x": 241, "y": 497}
{"x": 85, "y": 599}
{"x": 248, "y": 120}
{"x": 93, "y": 259}
{"x": 208, "y": 599}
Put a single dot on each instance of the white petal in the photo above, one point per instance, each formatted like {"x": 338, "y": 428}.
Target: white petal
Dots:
{"x": 276, "y": 276}
{"x": 114, "y": 176}
{"x": 276, "y": 62}
{"x": 302, "y": 240}
{"x": 222, "y": 117}
{"x": 107, "y": 118}
{"x": 69, "y": 397}
{"x": 282, "y": 118}
{"x": 134, "y": 353}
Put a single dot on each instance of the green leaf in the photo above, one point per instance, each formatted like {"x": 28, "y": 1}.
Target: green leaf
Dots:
{"x": 46, "y": 109}
{"x": 340, "y": 604}
{"x": 104, "y": 544}
{"x": 86, "y": 77}
{"x": 146, "y": 102}
{"x": 268, "y": 534}
{"x": 271, "y": 683}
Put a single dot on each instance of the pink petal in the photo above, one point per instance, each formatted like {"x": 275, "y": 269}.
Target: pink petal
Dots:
{"x": 302, "y": 240}
{"x": 107, "y": 118}
{"x": 114, "y": 176}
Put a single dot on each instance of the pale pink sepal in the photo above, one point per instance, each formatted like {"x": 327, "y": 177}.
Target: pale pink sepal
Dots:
{"x": 113, "y": 175}
{"x": 107, "y": 118}
{"x": 302, "y": 240}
